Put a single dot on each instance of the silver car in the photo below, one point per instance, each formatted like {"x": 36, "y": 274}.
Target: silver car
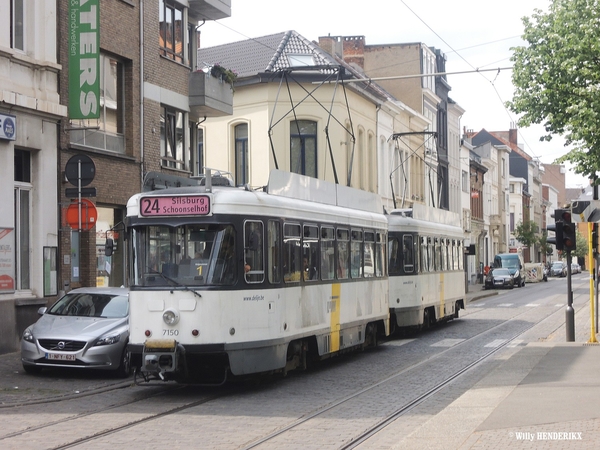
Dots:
{"x": 87, "y": 328}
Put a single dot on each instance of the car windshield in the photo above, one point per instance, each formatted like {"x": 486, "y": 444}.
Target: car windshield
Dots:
{"x": 557, "y": 265}
{"x": 498, "y": 272}
{"x": 91, "y": 305}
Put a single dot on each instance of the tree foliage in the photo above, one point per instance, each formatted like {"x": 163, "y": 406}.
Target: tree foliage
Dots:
{"x": 557, "y": 78}
{"x": 525, "y": 233}
{"x": 581, "y": 249}
{"x": 545, "y": 247}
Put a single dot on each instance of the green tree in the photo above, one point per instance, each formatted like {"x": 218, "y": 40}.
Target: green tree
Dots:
{"x": 582, "y": 246}
{"x": 557, "y": 78}
{"x": 526, "y": 233}
{"x": 545, "y": 247}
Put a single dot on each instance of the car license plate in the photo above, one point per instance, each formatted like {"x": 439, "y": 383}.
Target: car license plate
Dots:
{"x": 499, "y": 282}
{"x": 60, "y": 357}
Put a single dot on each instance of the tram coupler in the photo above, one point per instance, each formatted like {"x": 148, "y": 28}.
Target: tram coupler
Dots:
{"x": 159, "y": 356}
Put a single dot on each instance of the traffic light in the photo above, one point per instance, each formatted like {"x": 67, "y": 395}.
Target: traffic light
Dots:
{"x": 557, "y": 239}
{"x": 569, "y": 237}
{"x": 558, "y": 225}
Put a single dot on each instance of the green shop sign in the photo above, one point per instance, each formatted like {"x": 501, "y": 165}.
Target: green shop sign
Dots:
{"x": 84, "y": 59}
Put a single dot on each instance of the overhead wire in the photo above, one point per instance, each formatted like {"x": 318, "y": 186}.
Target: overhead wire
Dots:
{"x": 492, "y": 83}
{"x": 452, "y": 50}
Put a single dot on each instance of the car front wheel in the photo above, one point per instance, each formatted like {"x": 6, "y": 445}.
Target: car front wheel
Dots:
{"x": 124, "y": 369}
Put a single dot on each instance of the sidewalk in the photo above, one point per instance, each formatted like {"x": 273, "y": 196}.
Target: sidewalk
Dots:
{"x": 544, "y": 395}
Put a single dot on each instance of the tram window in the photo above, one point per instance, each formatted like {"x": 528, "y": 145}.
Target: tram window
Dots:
{"x": 438, "y": 255}
{"x": 292, "y": 254}
{"x": 310, "y": 250}
{"x": 416, "y": 257}
{"x": 224, "y": 269}
{"x": 460, "y": 255}
{"x": 408, "y": 258}
{"x": 327, "y": 253}
{"x": 395, "y": 255}
{"x": 273, "y": 236}
{"x": 162, "y": 250}
{"x": 424, "y": 255}
{"x": 254, "y": 271}
{"x": 380, "y": 255}
{"x": 356, "y": 257}
{"x": 369, "y": 255}
{"x": 431, "y": 254}
{"x": 343, "y": 236}
{"x": 455, "y": 255}
{"x": 444, "y": 254}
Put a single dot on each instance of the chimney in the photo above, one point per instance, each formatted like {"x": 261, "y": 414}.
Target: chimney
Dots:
{"x": 354, "y": 50}
{"x": 327, "y": 43}
{"x": 512, "y": 134}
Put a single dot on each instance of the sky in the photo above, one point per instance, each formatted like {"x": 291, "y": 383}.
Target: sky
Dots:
{"x": 473, "y": 35}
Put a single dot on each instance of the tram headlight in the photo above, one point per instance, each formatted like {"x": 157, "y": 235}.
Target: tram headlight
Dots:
{"x": 171, "y": 317}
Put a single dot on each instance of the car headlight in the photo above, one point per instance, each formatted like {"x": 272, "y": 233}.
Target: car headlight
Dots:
{"x": 28, "y": 335}
{"x": 108, "y": 340}
{"x": 516, "y": 274}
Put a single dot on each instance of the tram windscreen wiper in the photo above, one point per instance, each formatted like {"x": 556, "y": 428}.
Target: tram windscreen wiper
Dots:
{"x": 174, "y": 282}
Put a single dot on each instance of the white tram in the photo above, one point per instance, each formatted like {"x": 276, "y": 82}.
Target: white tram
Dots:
{"x": 227, "y": 280}
{"x": 426, "y": 273}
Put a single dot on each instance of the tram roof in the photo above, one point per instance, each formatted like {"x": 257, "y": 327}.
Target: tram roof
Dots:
{"x": 427, "y": 220}
{"x": 288, "y": 193}
{"x": 293, "y": 185}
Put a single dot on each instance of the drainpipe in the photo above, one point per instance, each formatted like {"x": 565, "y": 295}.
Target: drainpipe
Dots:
{"x": 141, "y": 95}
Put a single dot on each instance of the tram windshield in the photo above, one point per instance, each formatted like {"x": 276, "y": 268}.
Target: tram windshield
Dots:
{"x": 187, "y": 255}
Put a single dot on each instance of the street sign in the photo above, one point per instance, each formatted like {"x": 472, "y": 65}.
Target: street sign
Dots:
{"x": 89, "y": 215}
{"x": 88, "y": 170}
{"x": 85, "y": 192}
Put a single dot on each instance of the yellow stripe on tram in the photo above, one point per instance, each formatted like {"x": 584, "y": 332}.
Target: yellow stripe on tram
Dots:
{"x": 334, "y": 310}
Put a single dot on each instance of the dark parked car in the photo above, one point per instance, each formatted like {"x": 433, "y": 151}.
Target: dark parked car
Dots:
{"x": 558, "y": 269}
{"x": 86, "y": 328}
{"x": 499, "y": 278}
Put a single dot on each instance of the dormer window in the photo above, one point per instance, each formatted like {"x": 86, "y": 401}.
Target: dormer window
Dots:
{"x": 300, "y": 60}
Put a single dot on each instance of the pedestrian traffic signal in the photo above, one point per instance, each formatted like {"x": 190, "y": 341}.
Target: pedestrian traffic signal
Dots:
{"x": 569, "y": 234}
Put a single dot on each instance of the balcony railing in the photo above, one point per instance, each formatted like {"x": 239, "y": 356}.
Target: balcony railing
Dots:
{"x": 209, "y": 96}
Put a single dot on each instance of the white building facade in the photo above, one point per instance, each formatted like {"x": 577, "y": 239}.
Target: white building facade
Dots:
{"x": 29, "y": 111}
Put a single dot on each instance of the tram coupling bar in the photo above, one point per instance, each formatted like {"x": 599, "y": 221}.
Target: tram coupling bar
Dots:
{"x": 159, "y": 356}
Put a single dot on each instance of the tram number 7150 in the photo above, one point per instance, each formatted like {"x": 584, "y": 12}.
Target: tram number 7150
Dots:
{"x": 170, "y": 332}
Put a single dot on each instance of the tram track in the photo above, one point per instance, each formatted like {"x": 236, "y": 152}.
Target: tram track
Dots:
{"x": 78, "y": 416}
{"x": 308, "y": 416}
{"x": 171, "y": 411}
{"x": 364, "y": 436}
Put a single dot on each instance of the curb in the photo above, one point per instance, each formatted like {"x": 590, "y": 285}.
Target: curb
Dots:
{"x": 483, "y": 294}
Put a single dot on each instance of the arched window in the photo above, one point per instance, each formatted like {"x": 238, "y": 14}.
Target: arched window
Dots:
{"x": 303, "y": 147}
